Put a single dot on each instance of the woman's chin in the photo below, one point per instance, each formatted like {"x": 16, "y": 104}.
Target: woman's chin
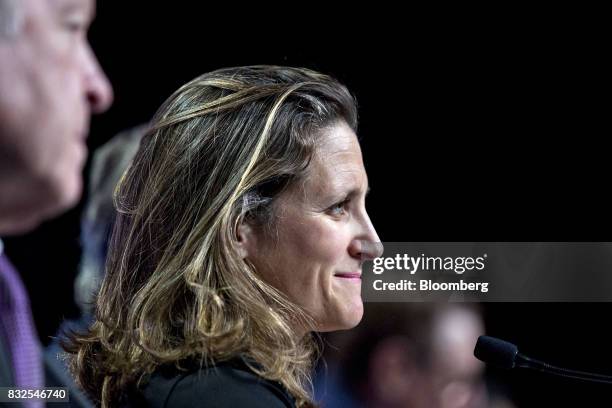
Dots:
{"x": 348, "y": 317}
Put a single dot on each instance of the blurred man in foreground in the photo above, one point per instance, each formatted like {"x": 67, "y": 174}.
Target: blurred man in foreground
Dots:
{"x": 50, "y": 83}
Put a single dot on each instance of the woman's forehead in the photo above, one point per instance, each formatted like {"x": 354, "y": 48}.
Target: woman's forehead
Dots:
{"x": 337, "y": 163}
{"x": 338, "y": 151}
{"x": 337, "y": 139}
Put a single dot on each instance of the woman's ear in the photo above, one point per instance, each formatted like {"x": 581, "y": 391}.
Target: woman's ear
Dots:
{"x": 246, "y": 238}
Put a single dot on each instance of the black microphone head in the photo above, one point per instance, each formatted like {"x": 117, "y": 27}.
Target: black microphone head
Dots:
{"x": 497, "y": 352}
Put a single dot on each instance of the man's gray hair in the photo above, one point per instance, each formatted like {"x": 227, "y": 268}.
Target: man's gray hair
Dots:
{"x": 10, "y": 17}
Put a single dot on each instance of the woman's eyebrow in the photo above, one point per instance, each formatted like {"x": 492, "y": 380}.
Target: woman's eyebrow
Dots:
{"x": 354, "y": 192}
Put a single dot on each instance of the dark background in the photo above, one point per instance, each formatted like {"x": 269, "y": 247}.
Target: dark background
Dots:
{"x": 473, "y": 128}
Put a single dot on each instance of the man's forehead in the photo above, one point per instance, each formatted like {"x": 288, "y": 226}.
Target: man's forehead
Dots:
{"x": 71, "y": 6}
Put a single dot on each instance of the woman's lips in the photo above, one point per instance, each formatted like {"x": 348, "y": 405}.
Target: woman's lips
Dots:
{"x": 349, "y": 275}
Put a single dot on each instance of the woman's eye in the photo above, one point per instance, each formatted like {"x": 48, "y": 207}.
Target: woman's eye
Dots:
{"x": 339, "y": 208}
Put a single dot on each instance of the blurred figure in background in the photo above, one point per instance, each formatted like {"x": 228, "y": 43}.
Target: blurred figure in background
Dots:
{"x": 411, "y": 355}
{"x": 108, "y": 164}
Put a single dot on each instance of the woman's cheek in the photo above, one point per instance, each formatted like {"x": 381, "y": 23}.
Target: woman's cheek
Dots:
{"x": 331, "y": 242}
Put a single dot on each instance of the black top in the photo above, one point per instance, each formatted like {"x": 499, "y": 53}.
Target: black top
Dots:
{"x": 227, "y": 384}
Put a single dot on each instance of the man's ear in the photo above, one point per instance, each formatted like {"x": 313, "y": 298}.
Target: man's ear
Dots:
{"x": 246, "y": 238}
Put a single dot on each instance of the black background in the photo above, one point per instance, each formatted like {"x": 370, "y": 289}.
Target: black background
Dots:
{"x": 477, "y": 125}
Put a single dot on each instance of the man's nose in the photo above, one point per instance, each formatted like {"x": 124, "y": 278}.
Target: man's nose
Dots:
{"x": 99, "y": 91}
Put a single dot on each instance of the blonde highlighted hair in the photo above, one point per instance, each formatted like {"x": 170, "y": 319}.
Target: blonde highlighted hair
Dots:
{"x": 219, "y": 151}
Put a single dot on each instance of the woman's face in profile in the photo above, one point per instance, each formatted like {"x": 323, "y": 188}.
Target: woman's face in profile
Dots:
{"x": 320, "y": 229}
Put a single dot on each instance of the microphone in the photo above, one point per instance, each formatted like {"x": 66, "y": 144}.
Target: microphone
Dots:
{"x": 505, "y": 355}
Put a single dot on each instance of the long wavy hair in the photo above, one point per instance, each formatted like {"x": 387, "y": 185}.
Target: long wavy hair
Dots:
{"x": 218, "y": 153}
